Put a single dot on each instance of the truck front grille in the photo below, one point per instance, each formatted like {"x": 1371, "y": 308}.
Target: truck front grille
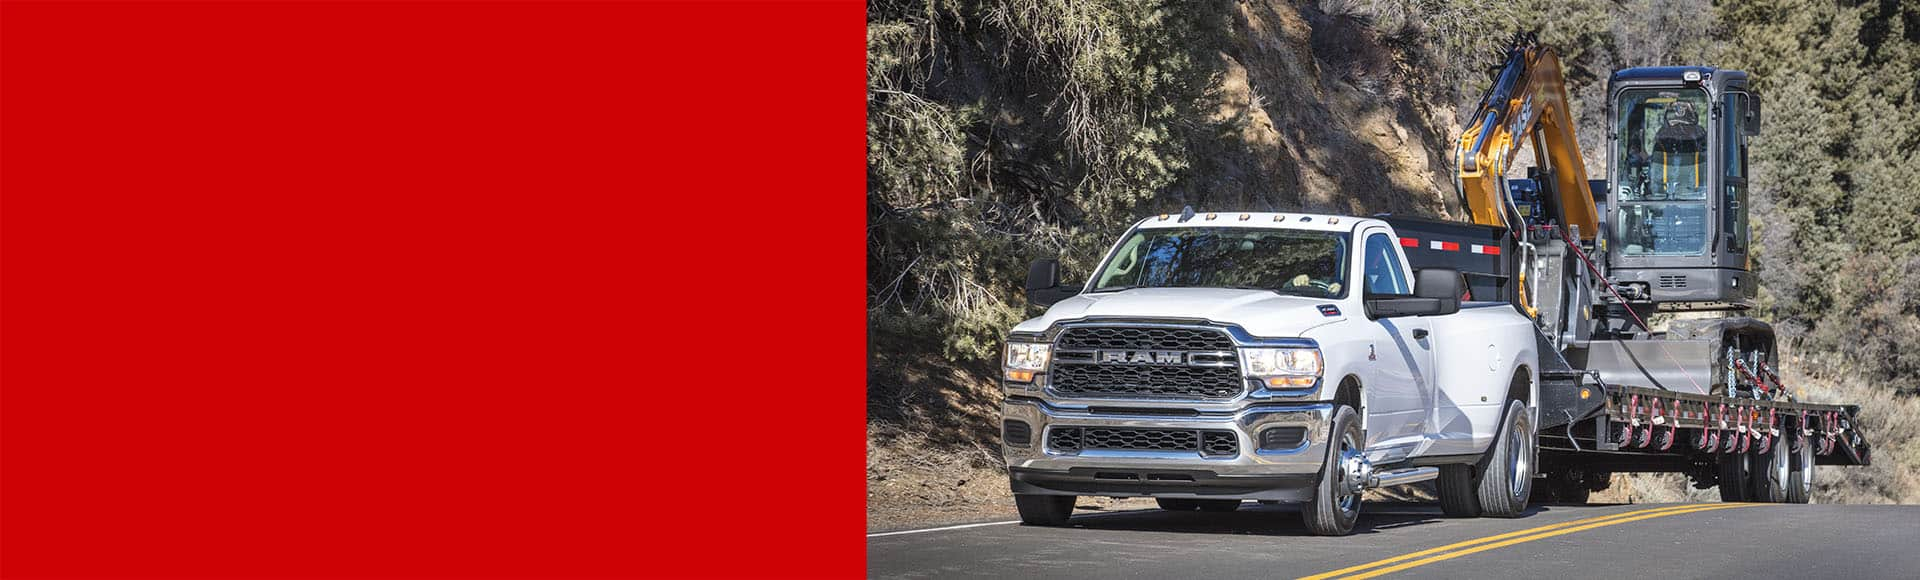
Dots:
{"x": 1144, "y": 338}
{"x": 1145, "y": 362}
{"x": 1184, "y": 382}
{"x": 1212, "y": 443}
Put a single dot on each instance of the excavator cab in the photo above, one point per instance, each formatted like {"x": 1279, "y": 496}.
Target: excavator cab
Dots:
{"x": 1677, "y": 208}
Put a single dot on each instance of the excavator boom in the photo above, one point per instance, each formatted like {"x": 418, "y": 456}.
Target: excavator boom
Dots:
{"x": 1527, "y": 105}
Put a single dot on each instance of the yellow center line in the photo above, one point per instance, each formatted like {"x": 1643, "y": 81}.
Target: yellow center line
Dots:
{"x": 1494, "y": 538}
{"x": 1542, "y": 536}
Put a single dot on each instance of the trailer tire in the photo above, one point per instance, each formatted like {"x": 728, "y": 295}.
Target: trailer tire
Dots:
{"x": 1177, "y": 504}
{"x": 1333, "y": 510}
{"x": 1733, "y": 477}
{"x": 1506, "y": 481}
{"x": 1770, "y": 473}
{"x": 1800, "y": 481}
{"x": 1044, "y": 510}
{"x": 1564, "y": 487}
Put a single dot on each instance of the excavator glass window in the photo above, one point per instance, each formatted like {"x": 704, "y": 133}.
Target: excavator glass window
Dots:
{"x": 1663, "y": 171}
{"x": 1733, "y": 141}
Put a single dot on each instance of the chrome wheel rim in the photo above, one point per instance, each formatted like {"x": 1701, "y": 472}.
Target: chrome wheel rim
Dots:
{"x": 1806, "y": 469}
{"x": 1347, "y": 500}
{"x": 1520, "y": 457}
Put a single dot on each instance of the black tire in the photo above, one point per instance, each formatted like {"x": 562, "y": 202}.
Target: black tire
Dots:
{"x": 1177, "y": 504}
{"x": 1768, "y": 474}
{"x": 1733, "y": 478}
{"x": 1333, "y": 509}
{"x": 1506, "y": 478}
{"x": 1219, "y": 505}
{"x": 1566, "y": 488}
{"x": 1459, "y": 496}
{"x": 1044, "y": 510}
{"x": 1800, "y": 479}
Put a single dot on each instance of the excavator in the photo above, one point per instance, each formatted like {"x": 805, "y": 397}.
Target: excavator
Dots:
{"x": 1598, "y": 264}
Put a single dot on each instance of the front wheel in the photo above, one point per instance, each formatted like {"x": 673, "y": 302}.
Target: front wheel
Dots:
{"x": 1336, "y": 499}
{"x": 1044, "y": 510}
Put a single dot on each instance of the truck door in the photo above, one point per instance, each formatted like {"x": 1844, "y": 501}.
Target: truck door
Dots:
{"x": 1401, "y": 394}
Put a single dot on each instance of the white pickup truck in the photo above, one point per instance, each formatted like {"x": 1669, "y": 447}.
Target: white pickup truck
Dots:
{"x": 1292, "y": 358}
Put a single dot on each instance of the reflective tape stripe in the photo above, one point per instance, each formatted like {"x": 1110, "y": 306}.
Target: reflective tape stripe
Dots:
{"x": 1409, "y": 243}
{"x": 1443, "y": 246}
{"x": 1488, "y": 250}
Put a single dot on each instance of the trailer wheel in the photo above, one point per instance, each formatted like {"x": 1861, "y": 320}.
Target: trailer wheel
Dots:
{"x": 1177, "y": 504}
{"x": 1769, "y": 472}
{"x": 1336, "y": 504}
{"x": 1044, "y": 510}
{"x": 1565, "y": 487}
{"x": 1733, "y": 478}
{"x": 1507, "y": 480}
{"x": 1800, "y": 480}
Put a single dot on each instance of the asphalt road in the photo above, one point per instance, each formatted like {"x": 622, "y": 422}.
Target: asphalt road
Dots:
{"x": 1707, "y": 540}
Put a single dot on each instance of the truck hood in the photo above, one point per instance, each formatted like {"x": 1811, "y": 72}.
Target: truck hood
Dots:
{"x": 1260, "y": 312}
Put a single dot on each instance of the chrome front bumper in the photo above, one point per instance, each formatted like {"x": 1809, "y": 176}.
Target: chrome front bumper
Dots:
{"x": 1284, "y": 475}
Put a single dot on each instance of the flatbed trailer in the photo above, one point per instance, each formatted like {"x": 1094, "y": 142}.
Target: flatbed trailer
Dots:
{"x": 1602, "y": 412}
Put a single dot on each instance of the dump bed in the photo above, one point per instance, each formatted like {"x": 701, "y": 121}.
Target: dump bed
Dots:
{"x": 1484, "y": 254}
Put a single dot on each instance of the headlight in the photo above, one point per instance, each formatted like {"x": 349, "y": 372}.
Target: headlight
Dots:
{"x": 1026, "y": 358}
{"x": 1283, "y": 367}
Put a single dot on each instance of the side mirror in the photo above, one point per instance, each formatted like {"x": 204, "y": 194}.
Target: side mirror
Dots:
{"x": 1441, "y": 284}
{"x": 1750, "y": 125}
{"x": 1043, "y": 274}
{"x": 1043, "y": 283}
{"x": 1436, "y": 291}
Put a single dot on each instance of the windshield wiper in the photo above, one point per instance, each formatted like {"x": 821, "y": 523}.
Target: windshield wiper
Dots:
{"x": 1115, "y": 288}
{"x": 1269, "y": 289}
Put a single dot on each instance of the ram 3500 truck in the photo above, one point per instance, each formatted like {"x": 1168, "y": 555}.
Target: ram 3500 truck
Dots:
{"x": 1294, "y": 358}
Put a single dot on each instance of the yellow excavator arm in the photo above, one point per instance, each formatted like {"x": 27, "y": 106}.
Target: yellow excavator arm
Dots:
{"x": 1528, "y": 102}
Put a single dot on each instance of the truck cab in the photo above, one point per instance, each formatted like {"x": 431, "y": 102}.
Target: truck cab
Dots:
{"x": 1296, "y": 358}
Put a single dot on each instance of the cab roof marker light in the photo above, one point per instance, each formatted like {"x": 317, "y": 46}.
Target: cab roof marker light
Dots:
{"x": 1279, "y": 218}
{"x": 1331, "y": 221}
{"x": 1243, "y": 217}
{"x": 1163, "y": 217}
{"x": 1211, "y": 216}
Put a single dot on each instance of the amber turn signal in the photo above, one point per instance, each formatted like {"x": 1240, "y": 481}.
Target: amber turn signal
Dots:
{"x": 1289, "y": 381}
{"x": 1020, "y": 376}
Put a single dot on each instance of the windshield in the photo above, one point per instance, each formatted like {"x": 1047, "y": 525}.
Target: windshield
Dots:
{"x": 1287, "y": 261}
{"x": 1663, "y": 175}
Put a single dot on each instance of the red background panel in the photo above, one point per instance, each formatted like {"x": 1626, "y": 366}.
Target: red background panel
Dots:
{"x": 431, "y": 289}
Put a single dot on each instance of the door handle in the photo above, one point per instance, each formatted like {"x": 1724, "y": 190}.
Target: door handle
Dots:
{"x": 1419, "y": 333}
